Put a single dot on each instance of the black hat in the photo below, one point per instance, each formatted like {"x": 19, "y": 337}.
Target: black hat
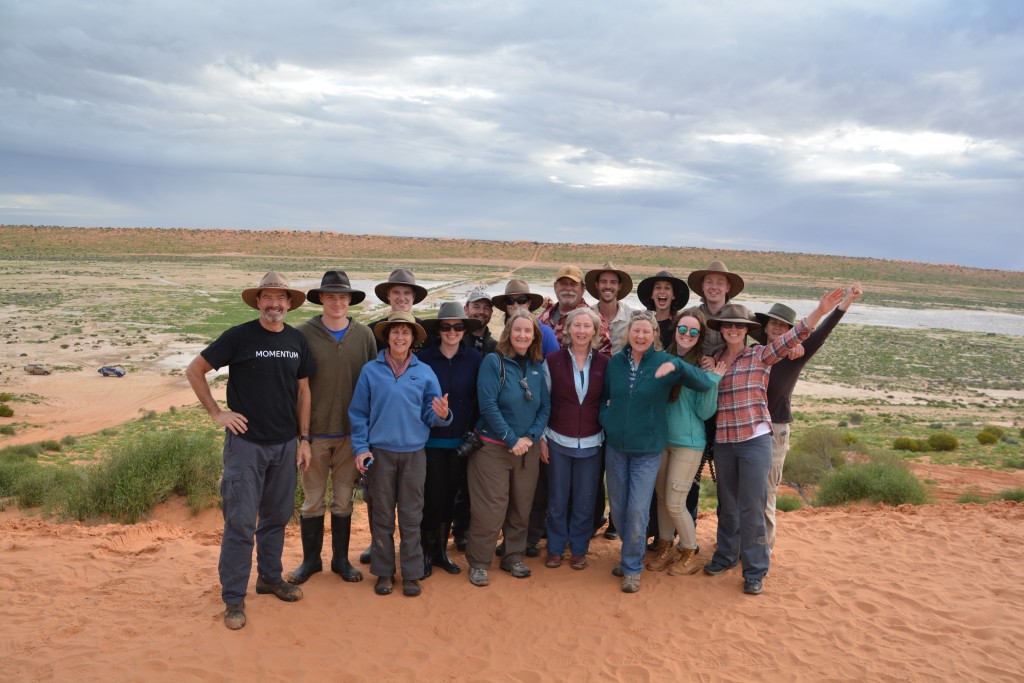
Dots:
{"x": 679, "y": 290}
{"x": 335, "y": 282}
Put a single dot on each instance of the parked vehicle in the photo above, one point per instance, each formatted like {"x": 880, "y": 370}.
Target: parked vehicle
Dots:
{"x": 112, "y": 371}
{"x": 38, "y": 369}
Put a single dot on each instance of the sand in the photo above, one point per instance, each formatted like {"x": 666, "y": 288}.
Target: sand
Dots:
{"x": 910, "y": 594}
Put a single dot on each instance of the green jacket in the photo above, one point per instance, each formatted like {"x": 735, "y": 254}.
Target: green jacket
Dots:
{"x": 634, "y": 420}
{"x": 687, "y": 414}
{"x": 337, "y": 370}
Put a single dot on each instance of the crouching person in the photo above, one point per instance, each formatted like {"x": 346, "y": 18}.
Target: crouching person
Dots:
{"x": 268, "y": 407}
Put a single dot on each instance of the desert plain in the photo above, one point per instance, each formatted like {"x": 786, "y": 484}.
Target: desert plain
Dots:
{"x": 858, "y": 592}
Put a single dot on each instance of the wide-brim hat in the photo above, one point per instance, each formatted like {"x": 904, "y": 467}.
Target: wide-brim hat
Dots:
{"x": 381, "y": 329}
{"x": 335, "y": 282}
{"x": 451, "y": 310}
{"x": 401, "y": 276}
{"x": 514, "y": 288}
{"x": 646, "y": 287}
{"x": 780, "y": 312}
{"x": 625, "y": 281}
{"x": 696, "y": 279}
{"x": 274, "y": 280}
{"x": 734, "y": 313}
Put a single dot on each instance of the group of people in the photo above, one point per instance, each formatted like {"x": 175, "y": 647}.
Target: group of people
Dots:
{"x": 511, "y": 437}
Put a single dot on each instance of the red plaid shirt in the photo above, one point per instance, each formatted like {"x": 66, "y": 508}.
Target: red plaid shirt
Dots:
{"x": 743, "y": 392}
{"x": 604, "y": 344}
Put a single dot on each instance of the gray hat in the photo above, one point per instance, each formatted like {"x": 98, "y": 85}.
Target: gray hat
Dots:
{"x": 451, "y": 310}
{"x": 335, "y": 282}
{"x": 401, "y": 276}
{"x": 779, "y": 312}
{"x": 479, "y": 295}
{"x": 734, "y": 313}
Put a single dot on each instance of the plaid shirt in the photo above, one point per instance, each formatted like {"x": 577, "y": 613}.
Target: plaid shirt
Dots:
{"x": 604, "y": 345}
{"x": 743, "y": 391}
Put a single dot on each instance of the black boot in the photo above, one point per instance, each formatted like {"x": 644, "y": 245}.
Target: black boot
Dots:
{"x": 364, "y": 557}
{"x": 428, "y": 539}
{"x": 440, "y": 558}
{"x": 312, "y": 530}
{"x": 341, "y": 530}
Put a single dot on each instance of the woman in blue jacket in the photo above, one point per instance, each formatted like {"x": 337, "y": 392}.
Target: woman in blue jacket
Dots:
{"x": 687, "y": 411}
{"x": 456, "y": 366}
{"x": 502, "y": 474}
{"x": 636, "y": 387}
{"x": 396, "y": 402}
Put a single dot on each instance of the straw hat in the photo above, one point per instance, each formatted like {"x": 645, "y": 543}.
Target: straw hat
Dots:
{"x": 273, "y": 280}
{"x": 625, "y": 281}
{"x": 335, "y": 282}
{"x": 451, "y": 310}
{"x": 514, "y": 288}
{"x": 696, "y": 279}
{"x": 401, "y": 276}
{"x": 734, "y": 313}
{"x": 381, "y": 329}
{"x": 646, "y": 288}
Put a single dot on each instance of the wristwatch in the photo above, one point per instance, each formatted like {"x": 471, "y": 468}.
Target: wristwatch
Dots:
{"x": 306, "y": 438}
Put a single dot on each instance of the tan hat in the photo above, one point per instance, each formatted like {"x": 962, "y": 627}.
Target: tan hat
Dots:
{"x": 734, "y": 313}
{"x": 514, "y": 288}
{"x": 380, "y": 330}
{"x": 696, "y": 279}
{"x": 571, "y": 272}
{"x": 625, "y": 281}
{"x": 401, "y": 276}
{"x": 274, "y": 280}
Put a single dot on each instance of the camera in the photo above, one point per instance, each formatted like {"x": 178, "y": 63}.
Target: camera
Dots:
{"x": 471, "y": 441}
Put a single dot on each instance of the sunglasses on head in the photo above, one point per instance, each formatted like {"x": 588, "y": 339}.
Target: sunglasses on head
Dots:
{"x": 521, "y": 299}
{"x": 692, "y": 331}
{"x": 448, "y": 327}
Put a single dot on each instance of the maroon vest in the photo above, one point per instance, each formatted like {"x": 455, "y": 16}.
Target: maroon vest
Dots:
{"x": 568, "y": 416}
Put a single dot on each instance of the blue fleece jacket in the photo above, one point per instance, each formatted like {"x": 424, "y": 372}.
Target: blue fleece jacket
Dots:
{"x": 505, "y": 413}
{"x": 687, "y": 413}
{"x": 395, "y": 414}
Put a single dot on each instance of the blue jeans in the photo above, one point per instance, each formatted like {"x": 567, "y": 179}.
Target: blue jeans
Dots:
{"x": 258, "y": 482}
{"x": 576, "y": 478}
{"x": 742, "y": 495}
{"x": 631, "y": 478}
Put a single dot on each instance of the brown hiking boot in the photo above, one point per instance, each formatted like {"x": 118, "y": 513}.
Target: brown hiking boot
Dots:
{"x": 234, "y": 616}
{"x": 667, "y": 554}
{"x": 686, "y": 564}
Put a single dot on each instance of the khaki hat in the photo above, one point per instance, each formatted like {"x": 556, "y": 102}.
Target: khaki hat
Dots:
{"x": 514, "y": 288}
{"x": 779, "y": 312}
{"x": 571, "y": 272}
{"x": 451, "y": 310}
{"x": 381, "y": 329}
{"x": 625, "y": 281}
{"x": 274, "y": 280}
{"x": 335, "y": 282}
{"x": 645, "y": 289}
{"x": 401, "y": 276}
{"x": 696, "y": 279}
{"x": 734, "y": 313}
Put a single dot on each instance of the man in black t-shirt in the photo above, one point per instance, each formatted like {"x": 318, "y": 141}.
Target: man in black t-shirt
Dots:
{"x": 268, "y": 407}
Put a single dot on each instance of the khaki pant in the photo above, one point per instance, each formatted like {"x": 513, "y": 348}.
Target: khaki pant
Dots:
{"x": 675, "y": 479}
{"x": 500, "y": 483}
{"x": 334, "y": 457}
{"x": 780, "y": 446}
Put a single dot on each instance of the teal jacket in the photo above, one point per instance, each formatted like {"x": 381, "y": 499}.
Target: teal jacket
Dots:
{"x": 505, "y": 412}
{"x": 634, "y": 420}
{"x": 687, "y": 414}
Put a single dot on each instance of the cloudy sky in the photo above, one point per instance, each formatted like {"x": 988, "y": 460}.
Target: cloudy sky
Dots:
{"x": 862, "y": 127}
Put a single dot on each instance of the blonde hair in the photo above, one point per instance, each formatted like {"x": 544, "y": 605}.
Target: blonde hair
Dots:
{"x": 594, "y": 318}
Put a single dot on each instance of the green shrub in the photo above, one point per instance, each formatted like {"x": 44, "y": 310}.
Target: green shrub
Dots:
{"x": 943, "y": 441}
{"x": 1016, "y": 495}
{"x": 7, "y": 430}
{"x": 6, "y": 411}
{"x": 788, "y": 503}
{"x": 970, "y": 498}
{"x": 987, "y": 438}
{"x": 856, "y": 417}
{"x": 1022, "y": 432}
{"x": 5, "y": 397}
{"x": 50, "y": 445}
{"x": 995, "y": 430}
{"x": 936, "y": 425}
{"x": 904, "y": 443}
{"x": 849, "y": 438}
{"x": 1014, "y": 461}
{"x": 881, "y": 480}
{"x": 842, "y": 423}
{"x": 68, "y": 441}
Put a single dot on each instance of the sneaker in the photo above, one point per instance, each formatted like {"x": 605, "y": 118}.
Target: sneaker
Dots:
{"x": 478, "y": 576}
{"x": 532, "y": 550}
{"x": 631, "y": 583}
{"x": 578, "y": 562}
{"x": 234, "y": 616}
{"x": 753, "y": 586}
{"x": 712, "y": 568}
{"x": 553, "y": 561}
{"x": 518, "y": 570}
{"x": 384, "y": 585}
{"x": 411, "y": 588}
{"x": 283, "y": 590}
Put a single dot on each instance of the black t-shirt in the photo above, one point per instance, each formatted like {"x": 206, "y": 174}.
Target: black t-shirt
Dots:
{"x": 264, "y": 369}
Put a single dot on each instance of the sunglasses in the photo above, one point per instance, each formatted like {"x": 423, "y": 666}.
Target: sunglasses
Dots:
{"x": 726, "y": 325}
{"x": 692, "y": 331}
{"x": 526, "y": 389}
{"x": 448, "y": 327}
{"x": 521, "y": 299}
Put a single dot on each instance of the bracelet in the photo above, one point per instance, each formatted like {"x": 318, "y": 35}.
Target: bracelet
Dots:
{"x": 306, "y": 438}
